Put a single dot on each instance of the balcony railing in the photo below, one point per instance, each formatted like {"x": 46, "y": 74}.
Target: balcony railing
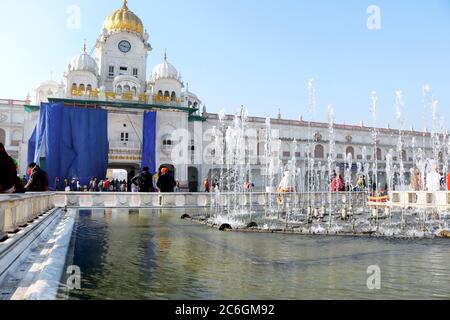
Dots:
{"x": 128, "y": 145}
{"x": 125, "y": 151}
{"x": 125, "y": 96}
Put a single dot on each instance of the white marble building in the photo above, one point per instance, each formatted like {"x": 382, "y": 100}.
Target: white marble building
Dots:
{"x": 114, "y": 78}
{"x": 13, "y": 132}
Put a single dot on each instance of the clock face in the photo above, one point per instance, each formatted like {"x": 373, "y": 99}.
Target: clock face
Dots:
{"x": 124, "y": 46}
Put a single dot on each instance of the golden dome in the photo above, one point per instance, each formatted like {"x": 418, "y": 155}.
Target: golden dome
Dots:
{"x": 124, "y": 20}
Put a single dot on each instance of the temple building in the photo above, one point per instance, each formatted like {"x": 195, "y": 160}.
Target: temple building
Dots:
{"x": 115, "y": 79}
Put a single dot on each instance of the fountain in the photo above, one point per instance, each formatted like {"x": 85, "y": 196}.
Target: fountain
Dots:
{"x": 302, "y": 198}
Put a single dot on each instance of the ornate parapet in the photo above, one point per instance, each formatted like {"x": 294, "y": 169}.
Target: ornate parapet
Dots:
{"x": 439, "y": 200}
{"x": 19, "y": 210}
{"x": 193, "y": 200}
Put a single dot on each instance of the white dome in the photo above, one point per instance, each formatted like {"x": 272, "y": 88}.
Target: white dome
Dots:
{"x": 49, "y": 83}
{"x": 165, "y": 70}
{"x": 83, "y": 62}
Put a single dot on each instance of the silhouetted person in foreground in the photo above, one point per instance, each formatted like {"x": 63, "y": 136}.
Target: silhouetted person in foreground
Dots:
{"x": 38, "y": 179}
{"x": 166, "y": 183}
{"x": 8, "y": 171}
{"x": 144, "y": 180}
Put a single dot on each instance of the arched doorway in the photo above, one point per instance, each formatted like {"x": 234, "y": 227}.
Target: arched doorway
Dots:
{"x": 351, "y": 151}
{"x": 193, "y": 179}
{"x": 131, "y": 171}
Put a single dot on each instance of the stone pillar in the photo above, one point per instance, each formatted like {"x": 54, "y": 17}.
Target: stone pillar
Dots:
{"x": 10, "y": 220}
{"x": 7, "y": 137}
{"x": 3, "y": 206}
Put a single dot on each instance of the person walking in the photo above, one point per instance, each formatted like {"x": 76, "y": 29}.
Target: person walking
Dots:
{"x": 177, "y": 187}
{"x": 415, "y": 179}
{"x": 337, "y": 185}
{"x": 57, "y": 182}
{"x": 433, "y": 178}
{"x": 123, "y": 186}
{"x": 360, "y": 184}
{"x": 206, "y": 185}
{"x": 100, "y": 186}
{"x": 8, "y": 171}
{"x": 92, "y": 185}
{"x": 166, "y": 183}
{"x": 106, "y": 185}
{"x": 66, "y": 185}
{"x": 144, "y": 180}
{"x": 38, "y": 179}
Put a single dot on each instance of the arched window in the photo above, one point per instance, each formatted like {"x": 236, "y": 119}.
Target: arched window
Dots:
{"x": 167, "y": 94}
{"x": 173, "y": 97}
{"x": 319, "y": 152}
{"x": 350, "y": 150}
{"x": 190, "y": 104}
{"x": 160, "y": 94}
{"x": 126, "y": 88}
{"x": 119, "y": 89}
{"x": 195, "y": 104}
{"x": 82, "y": 88}
{"x": 134, "y": 90}
{"x": 74, "y": 87}
{"x": 379, "y": 154}
{"x": 16, "y": 137}
{"x": 89, "y": 88}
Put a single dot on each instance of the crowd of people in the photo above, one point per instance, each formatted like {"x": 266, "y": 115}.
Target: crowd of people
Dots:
{"x": 143, "y": 182}
{"x": 38, "y": 180}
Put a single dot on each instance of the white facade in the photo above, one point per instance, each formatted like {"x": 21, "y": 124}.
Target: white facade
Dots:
{"x": 13, "y": 129}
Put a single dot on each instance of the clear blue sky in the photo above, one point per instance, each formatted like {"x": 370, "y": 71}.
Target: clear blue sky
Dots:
{"x": 259, "y": 53}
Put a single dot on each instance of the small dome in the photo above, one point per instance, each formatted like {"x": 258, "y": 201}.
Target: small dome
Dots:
{"x": 49, "y": 83}
{"x": 165, "y": 70}
{"x": 124, "y": 20}
{"x": 83, "y": 62}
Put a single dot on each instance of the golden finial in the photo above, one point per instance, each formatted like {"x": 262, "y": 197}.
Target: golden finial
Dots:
{"x": 84, "y": 47}
{"x": 125, "y": 2}
{"x": 165, "y": 54}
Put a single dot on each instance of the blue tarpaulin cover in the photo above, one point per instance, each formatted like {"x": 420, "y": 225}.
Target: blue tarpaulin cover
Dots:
{"x": 76, "y": 142}
{"x": 31, "y": 147}
{"x": 149, "y": 143}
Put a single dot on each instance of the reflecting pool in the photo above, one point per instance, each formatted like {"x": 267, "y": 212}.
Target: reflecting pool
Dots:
{"x": 153, "y": 254}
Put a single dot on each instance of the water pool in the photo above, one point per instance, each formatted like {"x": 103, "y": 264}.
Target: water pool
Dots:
{"x": 153, "y": 254}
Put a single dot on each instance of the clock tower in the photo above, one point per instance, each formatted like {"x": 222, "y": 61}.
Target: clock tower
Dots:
{"x": 122, "y": 51}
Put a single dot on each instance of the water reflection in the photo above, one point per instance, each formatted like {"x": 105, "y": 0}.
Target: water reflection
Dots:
{"x": 155, "y": 255}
